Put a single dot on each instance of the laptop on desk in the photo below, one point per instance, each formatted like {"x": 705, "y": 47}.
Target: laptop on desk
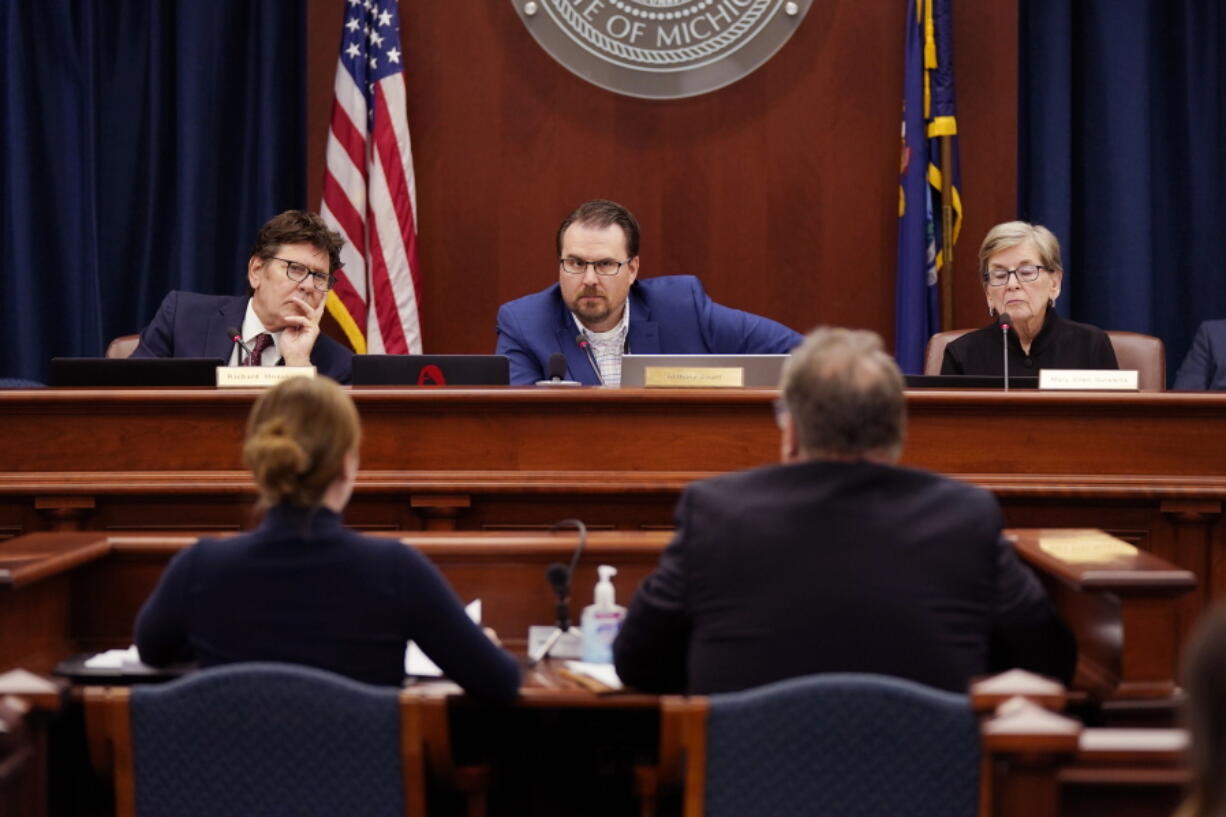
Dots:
{"x": 756, "y": 371}
{"x": 134, "y": 371}
{"x": 431, "y": 370}
{"x": 969, "y": 381}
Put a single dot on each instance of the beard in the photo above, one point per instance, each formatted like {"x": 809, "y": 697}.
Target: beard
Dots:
{"x": 592, "y": 311}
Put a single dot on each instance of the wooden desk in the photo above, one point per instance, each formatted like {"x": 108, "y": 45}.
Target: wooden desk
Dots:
{"x": 1085, "y": 772}
{"x": 1148, "y": 468}
{"x": 63, "y": 593}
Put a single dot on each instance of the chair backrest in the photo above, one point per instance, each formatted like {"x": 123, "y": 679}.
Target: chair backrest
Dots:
{"x": 935, "y": 353}
{"x": 262, "y": 738}
{"x": 1145, "y": 353}
{"x": 122, "y": 346}
{"x": 856, "y": 745}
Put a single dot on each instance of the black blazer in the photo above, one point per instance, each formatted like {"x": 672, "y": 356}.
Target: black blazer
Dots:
{"x": 304, "y": 589}
{"x": 1060, "y": 344}
{"x": 836, "y": 567}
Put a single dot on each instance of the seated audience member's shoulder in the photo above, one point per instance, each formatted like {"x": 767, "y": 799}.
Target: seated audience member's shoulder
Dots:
{"x": 738, "y": 481}
{"x": 947, "y": 492}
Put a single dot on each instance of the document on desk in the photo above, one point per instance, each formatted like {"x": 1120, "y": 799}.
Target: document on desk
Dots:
{"x": 415, "y": 661}
{"x": 121, "y": 660}
{"x": 596, "y": 677}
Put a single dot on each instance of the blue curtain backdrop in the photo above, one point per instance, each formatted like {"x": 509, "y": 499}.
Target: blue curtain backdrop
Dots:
{"x": 1123, "y": 155}
{"x": 142, "y": 144}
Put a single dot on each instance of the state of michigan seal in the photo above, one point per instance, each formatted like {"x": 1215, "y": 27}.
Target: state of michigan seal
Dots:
{"x": 661, "y": 49}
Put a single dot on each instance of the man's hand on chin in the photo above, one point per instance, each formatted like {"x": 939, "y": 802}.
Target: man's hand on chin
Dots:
{"x": 301, "y": 331}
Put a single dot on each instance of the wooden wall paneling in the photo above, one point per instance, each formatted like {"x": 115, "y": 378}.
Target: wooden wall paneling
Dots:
{"x": 780, "y": 190}
{"x": 1192, "y": 523}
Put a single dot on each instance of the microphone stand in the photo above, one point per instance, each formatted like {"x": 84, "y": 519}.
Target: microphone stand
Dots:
{"x": 560, "y": 577}
{"x": 1004, "y": 320}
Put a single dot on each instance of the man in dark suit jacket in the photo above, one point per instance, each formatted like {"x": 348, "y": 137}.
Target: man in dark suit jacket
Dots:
{"x": 1203, "y": 367}
{"x": 837, "y": 560}
{"x": 598, "y": 310}
{"x": 291, "y": 269}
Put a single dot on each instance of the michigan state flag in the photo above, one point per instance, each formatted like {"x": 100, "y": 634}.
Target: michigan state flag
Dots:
{"x": 928, "y": 115}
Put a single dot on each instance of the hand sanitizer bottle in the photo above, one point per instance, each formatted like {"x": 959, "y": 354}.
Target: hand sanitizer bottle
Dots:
{"x": 601, "y": 620}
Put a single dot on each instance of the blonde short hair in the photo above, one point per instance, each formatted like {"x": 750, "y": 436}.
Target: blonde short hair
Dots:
{"x": 1012, "y": 233}
{"x": 298, "y": 435}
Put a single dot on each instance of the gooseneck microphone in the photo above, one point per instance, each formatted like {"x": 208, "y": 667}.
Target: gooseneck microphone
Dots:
{"x": 591, "y": 358}
{"x": 555, "y": 372}
{"x": 559, "y": 577}
{"x": 237, "y": 337}
{"x": 1004, "y": 320}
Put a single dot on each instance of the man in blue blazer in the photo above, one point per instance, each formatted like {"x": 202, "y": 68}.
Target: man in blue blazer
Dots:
{"x": 291, "y": 269}
{"x": 1203, "y": 367}
{"x": 598, "y": 311}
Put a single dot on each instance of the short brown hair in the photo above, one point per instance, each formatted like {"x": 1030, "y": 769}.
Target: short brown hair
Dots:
{"x": 298, "y": 435}
{"x": 1012, "y": 233}
{"x": 845, "y": 394}
{"x": 604, "y": 213}
{"x": 298, "y": 227}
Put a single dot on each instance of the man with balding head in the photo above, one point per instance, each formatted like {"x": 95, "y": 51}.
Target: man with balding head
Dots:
{"x": 837, "y": 560}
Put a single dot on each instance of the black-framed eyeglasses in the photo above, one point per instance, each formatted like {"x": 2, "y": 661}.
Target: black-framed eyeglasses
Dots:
{"x": 1025, "y": 275}
{"x": 296, "y": 272}
{"x": 605, "y": 266}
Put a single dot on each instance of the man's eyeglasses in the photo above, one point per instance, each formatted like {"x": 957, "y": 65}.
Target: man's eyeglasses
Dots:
{"x": 322, "y": 281}
{"x": 1026, "y": 274}
{"x": 605, "y": 266}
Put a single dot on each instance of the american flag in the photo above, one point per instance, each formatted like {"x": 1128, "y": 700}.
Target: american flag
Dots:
{"x": 369, "y": 193}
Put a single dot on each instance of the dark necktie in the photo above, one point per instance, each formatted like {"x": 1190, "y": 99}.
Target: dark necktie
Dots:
{"x": 262, "y": 342}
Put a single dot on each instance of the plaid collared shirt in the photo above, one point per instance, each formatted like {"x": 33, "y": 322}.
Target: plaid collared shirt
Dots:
{"x": 608, "y": 347}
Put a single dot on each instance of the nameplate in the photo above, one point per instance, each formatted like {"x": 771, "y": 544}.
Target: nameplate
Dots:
{"x": 1089, "y": 379}
{"x": 1088, "y": 547}
{"x": 693, "y": 377}
{"x": 258, "y": 377}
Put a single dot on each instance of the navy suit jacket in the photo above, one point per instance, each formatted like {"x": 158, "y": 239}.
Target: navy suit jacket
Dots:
{"x": 188, "y": 324}
{"x": 1203, "y": 367}
{"x": 670, "y": 315}
{"x": 810, "y": 567}
{"x": 304, "y": 589}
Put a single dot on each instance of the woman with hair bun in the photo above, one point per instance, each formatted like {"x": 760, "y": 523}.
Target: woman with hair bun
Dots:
{"x": 302, "y": 588}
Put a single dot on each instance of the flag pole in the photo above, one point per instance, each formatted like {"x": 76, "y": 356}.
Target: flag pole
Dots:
{"x": 947, "y": 232}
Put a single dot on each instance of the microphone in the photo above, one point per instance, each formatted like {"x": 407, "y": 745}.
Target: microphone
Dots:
{"x": 237, "y": 337}
{"x": 567, "y": 573}
{"x": 559, "y": 577}
{"x": 556, "y": 372}
{"x": 1003, "y": 320}
{"x": 557, "y": 366}
{"x": 591, "y": 358}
